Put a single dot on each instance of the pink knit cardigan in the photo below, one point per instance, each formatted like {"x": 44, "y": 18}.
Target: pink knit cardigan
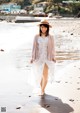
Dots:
{"x": 50, "y": 49}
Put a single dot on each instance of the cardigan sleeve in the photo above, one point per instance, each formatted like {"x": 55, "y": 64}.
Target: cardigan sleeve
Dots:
{"x": 53, "y": 48}
{"x": 34, "y": 48}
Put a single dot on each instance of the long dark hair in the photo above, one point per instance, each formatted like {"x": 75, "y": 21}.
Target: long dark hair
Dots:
{"x": 47, "y": 32}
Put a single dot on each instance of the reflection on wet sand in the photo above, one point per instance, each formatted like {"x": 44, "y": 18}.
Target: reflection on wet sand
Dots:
{"x": 50, "y": 104}
{"x": 63, "y": 55}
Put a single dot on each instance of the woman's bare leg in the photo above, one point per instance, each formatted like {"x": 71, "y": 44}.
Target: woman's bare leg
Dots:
{"x": 41, "y": 82}
{"x": 44, "y": 79}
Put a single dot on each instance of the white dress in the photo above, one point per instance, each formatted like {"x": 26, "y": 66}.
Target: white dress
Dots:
{"x": 38, "y": 65}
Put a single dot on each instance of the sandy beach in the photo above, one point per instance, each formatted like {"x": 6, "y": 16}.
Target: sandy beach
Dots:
{"x": 63, "y": 95}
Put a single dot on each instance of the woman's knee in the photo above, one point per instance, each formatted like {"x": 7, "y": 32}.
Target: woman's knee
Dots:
{"x": 45, "y": 78}
{"x": 45, "y": 71}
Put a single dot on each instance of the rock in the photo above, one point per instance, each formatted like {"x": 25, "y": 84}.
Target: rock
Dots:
{"x": 18, "y": 108}
{"x": 2, "y": 50}
{"x": 71, "y": 33}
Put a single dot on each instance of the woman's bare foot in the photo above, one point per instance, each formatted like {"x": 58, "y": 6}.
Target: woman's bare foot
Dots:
{"x": 42, "y": 93}
{"x": 38, "y": 92}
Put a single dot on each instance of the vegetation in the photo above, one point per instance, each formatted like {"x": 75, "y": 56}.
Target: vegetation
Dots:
{"x": 25, "y": 2}
{"x": 53, "y": 5}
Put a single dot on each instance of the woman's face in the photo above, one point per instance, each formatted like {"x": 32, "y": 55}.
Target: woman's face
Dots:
{"x": 43, "y": 29}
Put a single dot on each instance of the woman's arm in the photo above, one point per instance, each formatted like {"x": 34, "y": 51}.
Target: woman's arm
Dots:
{"x": 34, "y": 50}
{"x": 53, "y": 50}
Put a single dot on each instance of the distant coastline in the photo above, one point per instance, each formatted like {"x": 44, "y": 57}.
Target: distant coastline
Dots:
{"x": 24, "y": 18}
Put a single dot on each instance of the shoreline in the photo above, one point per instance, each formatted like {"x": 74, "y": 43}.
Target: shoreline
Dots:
{"x": 14, "y": 18}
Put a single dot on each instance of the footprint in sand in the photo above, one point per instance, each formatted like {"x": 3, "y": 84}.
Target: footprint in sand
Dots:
{"x": 58, "y": 81}
{"x": 56, "y": 99}
{"x": 78, "y": 82}
{"x": 66, "y": 82}
{"x": 78, "y": 88}
{"x": 46, "y": 105}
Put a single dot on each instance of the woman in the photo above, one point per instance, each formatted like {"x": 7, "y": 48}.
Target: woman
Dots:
{"x": 43, "y": 55}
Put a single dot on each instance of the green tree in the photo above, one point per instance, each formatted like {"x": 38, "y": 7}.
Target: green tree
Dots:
{"x": 37, "y": 1}
{"x": 27, "y": 2}
{"x": 4, "y": 1}
{"x": 58, "y": 1}
{"x": 17, "y": 1}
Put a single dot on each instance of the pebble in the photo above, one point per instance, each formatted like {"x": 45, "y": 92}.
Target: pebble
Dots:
{"x": 71, "y": 100}
{"x": 18, "y": 108}
{"x": 2, "y": 50}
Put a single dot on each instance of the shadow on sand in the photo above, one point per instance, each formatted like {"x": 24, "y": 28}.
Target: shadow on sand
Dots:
{"x": 53, "y": 104}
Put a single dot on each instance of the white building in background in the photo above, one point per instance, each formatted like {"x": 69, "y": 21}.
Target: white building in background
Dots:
{"x": 71, "y": 1}
{"x": 39, "y": 7}
{"x": 9, "y": 7}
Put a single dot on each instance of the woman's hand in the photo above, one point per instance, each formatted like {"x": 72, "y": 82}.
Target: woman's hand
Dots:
{"x": 31, "y": 61}
{"x": 54, "y": 60}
